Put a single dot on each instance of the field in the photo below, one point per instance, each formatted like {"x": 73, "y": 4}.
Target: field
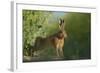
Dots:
{"x": 77, "y": 45}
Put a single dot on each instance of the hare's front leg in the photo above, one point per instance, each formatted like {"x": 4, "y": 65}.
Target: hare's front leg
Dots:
{"x": 57, "y": 49}
{"x": 57, "y": 52}
{"x": 61, "y": 52}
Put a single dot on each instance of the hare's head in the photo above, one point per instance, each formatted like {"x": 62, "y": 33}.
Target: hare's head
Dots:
{"x": 61, "y": 27}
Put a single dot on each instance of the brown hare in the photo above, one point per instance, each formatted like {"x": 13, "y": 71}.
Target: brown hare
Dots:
{"x": 56, "y": 41}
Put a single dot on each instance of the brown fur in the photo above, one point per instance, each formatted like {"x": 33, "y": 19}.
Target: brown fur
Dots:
{"x": 56, "y": 41}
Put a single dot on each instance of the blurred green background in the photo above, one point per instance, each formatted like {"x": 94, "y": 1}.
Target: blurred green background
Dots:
{"x": 45, "y": 23}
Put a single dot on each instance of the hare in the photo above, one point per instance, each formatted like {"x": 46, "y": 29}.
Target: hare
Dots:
{"x": 56, "y": 41}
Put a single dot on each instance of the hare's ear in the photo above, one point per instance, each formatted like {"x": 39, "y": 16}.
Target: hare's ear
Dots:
{"x": 61, "y": 24}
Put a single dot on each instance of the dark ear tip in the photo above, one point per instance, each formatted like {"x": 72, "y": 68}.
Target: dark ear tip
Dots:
{"x": 63, "y": 20}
